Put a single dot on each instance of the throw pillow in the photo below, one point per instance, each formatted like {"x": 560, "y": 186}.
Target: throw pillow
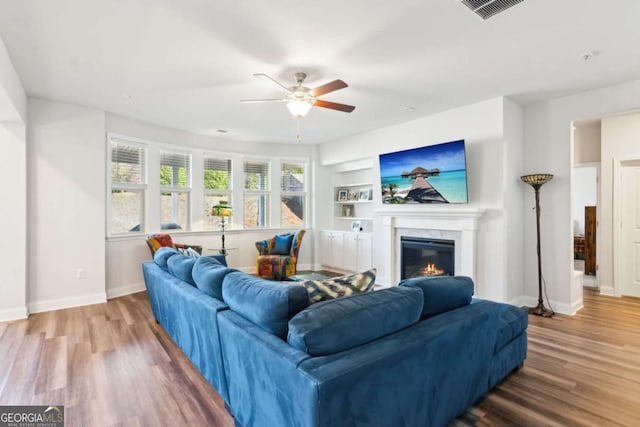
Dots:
{"x": 282, "y": 244}
{"x": 190, "y": 252}
{"x": 336, "y": 287}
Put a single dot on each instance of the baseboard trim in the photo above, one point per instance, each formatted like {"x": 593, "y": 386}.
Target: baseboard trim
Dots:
{"x": 560, "y": 308}
{"x": 15, "y": 313}
{"x": 608, "y": 290}
{"x": 126, "y": 290}
{"x": 57, "y": 304}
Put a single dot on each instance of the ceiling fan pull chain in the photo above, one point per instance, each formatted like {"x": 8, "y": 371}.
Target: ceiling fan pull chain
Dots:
{"x": 298, "y": 133}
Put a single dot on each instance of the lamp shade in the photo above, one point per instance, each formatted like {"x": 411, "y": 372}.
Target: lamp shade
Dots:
{"x": 537, "y": 180}
{"x": 222, "y": 209}
{"x": 299, "y": 108}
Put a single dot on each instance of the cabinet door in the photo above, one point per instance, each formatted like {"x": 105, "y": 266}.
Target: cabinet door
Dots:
{"x": 337, "y": 249}
{"x": 350, "y": 258}
{"x": 331, "y": 248}
{"x": 364, "y": 253}
{"x": 326, "y": 242}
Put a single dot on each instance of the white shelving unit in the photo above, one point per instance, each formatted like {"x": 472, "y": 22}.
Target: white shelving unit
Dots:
{"x": 353, "y": 202}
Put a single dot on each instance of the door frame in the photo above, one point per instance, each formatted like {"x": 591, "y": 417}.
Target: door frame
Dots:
{"x": 618, "y": 164}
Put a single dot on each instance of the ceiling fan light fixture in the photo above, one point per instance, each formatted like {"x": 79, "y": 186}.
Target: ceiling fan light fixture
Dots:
{"x": 299, "y": 108}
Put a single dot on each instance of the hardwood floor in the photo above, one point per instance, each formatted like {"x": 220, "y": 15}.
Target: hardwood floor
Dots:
{"x": 112, "y": 365}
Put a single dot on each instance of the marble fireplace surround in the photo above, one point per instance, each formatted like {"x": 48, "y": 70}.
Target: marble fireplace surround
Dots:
{"x": 450, "y": 223}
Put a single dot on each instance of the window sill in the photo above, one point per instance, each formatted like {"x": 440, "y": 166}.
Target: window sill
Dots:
{"x": 138, "y": 236}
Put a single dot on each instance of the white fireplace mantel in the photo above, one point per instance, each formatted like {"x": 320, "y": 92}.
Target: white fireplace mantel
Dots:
{"x": 460, "y": 224}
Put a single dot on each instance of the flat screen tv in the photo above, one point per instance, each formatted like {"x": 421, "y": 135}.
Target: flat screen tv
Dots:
{"x": 432, "y": 174}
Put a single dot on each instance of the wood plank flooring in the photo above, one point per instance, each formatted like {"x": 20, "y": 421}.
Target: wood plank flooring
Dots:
{"x": 112, "y": 365}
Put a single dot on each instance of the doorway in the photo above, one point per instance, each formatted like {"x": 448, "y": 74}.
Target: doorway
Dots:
{"x": 585, "y": 200}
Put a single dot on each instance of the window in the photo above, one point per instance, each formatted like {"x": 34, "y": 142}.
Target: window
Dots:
{"x": 128, "y": 185}
{"x": 217, "y": 187}
{"x": 293, "y": 194}
{"x": 175, "y": 189}
{"x": 256, "y": 194}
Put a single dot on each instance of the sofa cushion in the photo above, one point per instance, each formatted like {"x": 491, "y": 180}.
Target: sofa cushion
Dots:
{"x": 337, "y": 325}
{"x": 162, "y": 255}
{"x": 266, "y": 303}
{"x": 512, "y": 322}
{"x": 282, "y": 244}
{"x": 335, "y": 287}
{"x": 181, "y": 267}
{"x": 208, "y": 274}
{"x": 442, "y": 293}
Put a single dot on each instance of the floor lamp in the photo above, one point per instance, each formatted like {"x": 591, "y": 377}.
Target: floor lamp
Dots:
{"x": 223, "y": 210}
{"x": 536, "y": 181}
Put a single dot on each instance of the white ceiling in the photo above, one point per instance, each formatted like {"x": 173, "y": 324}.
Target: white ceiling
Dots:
{"x": 186, "y": 64}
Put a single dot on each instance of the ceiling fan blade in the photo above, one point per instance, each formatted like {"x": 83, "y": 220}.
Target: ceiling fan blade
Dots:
{"x": 329, "y": 87}
{"x": 334, "y": 106}
{"x": 268, "y": 78}
{"x": 255, "y": 101}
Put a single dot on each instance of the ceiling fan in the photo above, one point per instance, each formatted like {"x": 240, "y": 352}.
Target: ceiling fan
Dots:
{"x": 300, "y": 98}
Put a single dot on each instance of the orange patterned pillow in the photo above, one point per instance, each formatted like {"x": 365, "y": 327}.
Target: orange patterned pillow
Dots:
{"x": 157, "y": 241}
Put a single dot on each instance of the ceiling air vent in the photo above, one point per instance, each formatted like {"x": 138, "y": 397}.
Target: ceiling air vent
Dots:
{"x": 488, "y": 8}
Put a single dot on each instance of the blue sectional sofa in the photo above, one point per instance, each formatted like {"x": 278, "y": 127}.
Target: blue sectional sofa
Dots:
{"x": 418, "y": 354}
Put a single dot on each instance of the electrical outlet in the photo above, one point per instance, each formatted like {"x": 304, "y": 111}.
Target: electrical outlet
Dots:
{"x": 80, "y": 273}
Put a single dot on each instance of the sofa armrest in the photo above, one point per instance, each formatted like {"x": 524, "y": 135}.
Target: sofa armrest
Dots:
{"x": 264, "y": 246}
{"x": 265, "y": 387}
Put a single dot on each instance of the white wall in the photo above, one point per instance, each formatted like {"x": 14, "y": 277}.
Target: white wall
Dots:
{"x": 620, "y": 142}
{"x": 124, "y": 255}
{"x": 586, "y": 140}
{"x": 514, "y": 193}
{"x": 584, "y": 194}
{"x": 13, "y": 210}
{"x": 548, "y": 148}
{"x": 66, "y": 198}
{"x": 493, "y": 156}
{"x": 13, "y": 101}
{"x": 13, "y": 217}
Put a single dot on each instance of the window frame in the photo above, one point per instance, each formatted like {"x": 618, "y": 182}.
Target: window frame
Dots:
{"x": 267, "y": 192}
{"x": 228, "y": 193}
{"x": 130, "y": 187}
{"x": 177, "y": 189}
{"x": 304, "y": 193}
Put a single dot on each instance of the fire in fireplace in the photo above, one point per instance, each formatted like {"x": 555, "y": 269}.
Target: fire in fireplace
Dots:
{"x": 426, "y": 257}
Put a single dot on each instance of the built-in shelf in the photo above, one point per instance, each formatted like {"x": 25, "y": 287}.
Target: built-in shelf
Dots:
{"x": 355, "y": 218}
{"x": 351, "y": 202}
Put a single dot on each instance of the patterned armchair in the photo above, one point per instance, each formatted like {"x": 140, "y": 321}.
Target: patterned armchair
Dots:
{"x": 161, "y": 240}
{"x": 278, "y": 256}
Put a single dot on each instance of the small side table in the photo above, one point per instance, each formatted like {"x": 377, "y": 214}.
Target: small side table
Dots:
{"x": 220, "y": 251}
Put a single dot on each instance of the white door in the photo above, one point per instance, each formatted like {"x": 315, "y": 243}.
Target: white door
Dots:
{"x": 350, "y": 255}
{"x": 630, "y": 230}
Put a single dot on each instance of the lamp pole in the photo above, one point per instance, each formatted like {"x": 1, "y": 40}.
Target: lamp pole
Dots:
{"x": 536, "y": 181}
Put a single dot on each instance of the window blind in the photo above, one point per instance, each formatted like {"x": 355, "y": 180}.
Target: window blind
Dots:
{"x": 127, "y": 163}
{"x": 175, "y": 169}
{"x": 217, "y": 173}
{"x": 256, "y": 175}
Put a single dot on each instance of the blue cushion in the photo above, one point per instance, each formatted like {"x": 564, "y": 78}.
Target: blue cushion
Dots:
{"x": 282, "y": 244}
{"x": 208, "y": 274}
{"x": 337, "y": 325}
{"x": 162, "y": 255}
{"x": 266, "y": 303}
{"x": 513, "y": 322}
{"x": 181, "y": 266}
{"x": 442, "y": 293}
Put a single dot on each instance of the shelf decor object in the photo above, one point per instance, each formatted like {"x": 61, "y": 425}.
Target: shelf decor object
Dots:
{"x": 537, "y": 181}
{"x": 223, "y": 210}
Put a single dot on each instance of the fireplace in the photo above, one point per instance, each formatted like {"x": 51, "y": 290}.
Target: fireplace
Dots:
{"x": 426, "y": 257}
